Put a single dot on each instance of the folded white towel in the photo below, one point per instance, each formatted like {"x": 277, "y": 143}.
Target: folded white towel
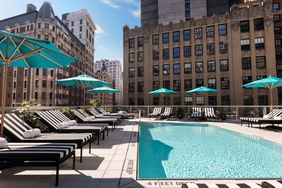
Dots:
{"x": 28, "y": 134}
{"x": 266, "y": 116}
{"x": 278, "y": 118}
{"x": 36, "y": 132}
{"x": 122, "y": 112}
{"x": 89, "y": 118}
{"x": 3, "y": 143}
{"x": 72, "y": 123}
{"x": 63, "y": 125}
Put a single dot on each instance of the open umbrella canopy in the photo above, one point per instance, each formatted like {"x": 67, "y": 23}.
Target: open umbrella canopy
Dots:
{"x": 21, "y": 51}
{"x": 202, "y": 89}
{"x": 104, "y": 90}
{"x": 162, "y": 91}
{"x": 269, "y": 82}
{"x": 83, "y": 81}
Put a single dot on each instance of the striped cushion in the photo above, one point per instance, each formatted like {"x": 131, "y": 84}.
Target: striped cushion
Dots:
{"x": 36, "y": 151}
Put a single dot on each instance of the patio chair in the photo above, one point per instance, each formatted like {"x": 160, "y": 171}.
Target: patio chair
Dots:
{"x": 91, "y": 119}
{"x": 37, "y": 154}
{"x": 196, "y": 112}
{"x": 97, "y": 114}
{"x": 167, "y": 112}
{"x": 52, "y": 120}
{"x": 274, "y": 113}
{"x": 156, "y": 112}
{"x": 16, "y": 128}
{"x": 123, "y": 114}
{"x": 209, "y": 113}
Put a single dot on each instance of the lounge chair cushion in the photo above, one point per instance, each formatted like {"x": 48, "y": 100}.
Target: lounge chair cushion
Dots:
{"x": 89, "y": 118}
{"x": 3, "y": 143}
{"x": 278, "y": 118}
{"x": 72, "y": 123}
{"x": 266, "y": 116}
{"x": 36, "y": 132}
{"x": 32, "y": 133}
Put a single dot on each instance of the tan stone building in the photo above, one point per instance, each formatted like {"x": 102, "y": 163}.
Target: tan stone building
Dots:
{"x": 38, "y": 85}
{"x": 102, "y": 74}
{"x": 222, "y": 52}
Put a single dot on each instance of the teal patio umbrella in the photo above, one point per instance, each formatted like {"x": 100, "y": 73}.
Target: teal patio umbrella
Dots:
{"x": 83, "y": 81}
{"x": 26, "y": 52}
{"x": 269, "y": 83}
{"x": 202, "y": 90}
{"x": 106, "y": 90}
{"x": 161, "y": 91}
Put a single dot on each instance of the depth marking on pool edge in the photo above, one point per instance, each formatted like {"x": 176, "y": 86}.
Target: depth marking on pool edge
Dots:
{"x": 168, "y": 183}
{"x": 129, "y": 168}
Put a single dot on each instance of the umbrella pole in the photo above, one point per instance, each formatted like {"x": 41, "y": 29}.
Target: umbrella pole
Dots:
{"x": 4, "y": 89}
{"x": 84, "y": 94}
{"x": 271, "y": 108}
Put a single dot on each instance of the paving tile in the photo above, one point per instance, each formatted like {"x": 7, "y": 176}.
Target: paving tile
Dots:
{"x": 112, "y": 174}
{"x": 115, "y": 166}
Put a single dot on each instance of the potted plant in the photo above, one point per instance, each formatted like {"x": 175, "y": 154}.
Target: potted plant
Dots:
{"x": 27, "y": 114}
{"x": 67, "y": 112}
{"x": 95, "y": 103}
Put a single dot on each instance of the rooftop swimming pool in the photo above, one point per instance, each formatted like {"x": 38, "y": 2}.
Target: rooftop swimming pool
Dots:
{"x": 201, "y": 151}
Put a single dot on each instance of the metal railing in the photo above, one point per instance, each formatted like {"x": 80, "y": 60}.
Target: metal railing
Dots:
{"x": 232, "y": 112}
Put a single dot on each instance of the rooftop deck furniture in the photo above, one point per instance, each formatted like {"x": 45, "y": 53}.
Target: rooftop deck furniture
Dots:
{"x": 53, "y": 120}
{"x": 209, "y": 113}
{"x": 98, "y": 114}
{"x": 167, "y": 112}
{"x": 38, "y": 154}
{"x": 88, "y": 119}
{"x": 156, "y": 112}
{"x": 125, "y": 115}
{"x": 196, "y": 112}
{"x": 15, "y": 128}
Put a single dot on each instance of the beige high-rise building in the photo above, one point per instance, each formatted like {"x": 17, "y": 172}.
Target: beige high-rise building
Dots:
{"x": 222, "y": 52}
{"x": 38, "y": 85}
{"x": 102, "y": 74}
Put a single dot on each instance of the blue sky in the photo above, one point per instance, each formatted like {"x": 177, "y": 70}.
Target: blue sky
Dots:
{"x": 109, "y": 15}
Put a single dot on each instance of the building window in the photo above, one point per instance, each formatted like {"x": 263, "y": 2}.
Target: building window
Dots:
{"x": 224, "y": 82}
{"x": 210, "y": 31}
{"x": 131, "y": 57}
{"x": 156, "y": 70}
{"x": 198, "y": 33}
{"x": 176, "y": 68}
{"x": 212, "y": 100}
{"x": 260, "y": 62}
{"x": 131, "y": 72}
{"x": 222, "y": 29}
{"x": 246, "y": 79}
{"x": 156, "y": 85}
{"x": 248, "y": 100}
{"x": 140, "y": 41}
{"x": 277, "y": 30}
{"x": 188, "y": 100}
{"x": 224, "y": 65}
{"x": 131, "y": 87}
{"x": 140, "y": 71}
{"x": 36, "y": 95}
{"x": 140, "y": 56}
{"x": 140, "y": 87}
{"x": 187, "y": 51}
{"x": 131, "y": 101}
{"x": 199, "y": 50}
{"x": 188, "y": 68}
{"x": 155, "y": 40}
{"x": 278, "y": 55}
{"x": 259, "y": 42}
{"x": 199, "y": 67}
{"x": 245, "y": 45}
{"x": 223, "y": 47}
{"x": 211, "y": 49}
{"x": 263, "y": 100}
{"x": 166, "y": 53}
{"x": 176, "y": 36}
{"x": 44, "y": 83}
{"x": 259, "y": 24}
{"x": 200, "y": 100}
{"x": 132, "y": 43}
{"x": 176, "y": 52}
{"x": 166, "y": 69}
{"x": 188, "y": 84}
{"x": 39, "y": 25}
{"x": 51, "y": 84}
{"x": 44, "y": 72}
{"x": 187, "y": 35}
{"x": 225, "y": 100}
{"x": 156, "y": 55}
{"x": 278, "y": 42}
{"x": 72, "y": 23}
{"x": 244, "y": 26}
{"x": 199, "y": 82}
{"x": 166, "y": 84}
{"x": 212, "y": 83}
{"x": 211, "y": 66}
{"x": 156, "y": 101}
{"x": 140, "y": 101}
{"x": 43, "y": 95}
{"x": 80, "y": 29}
{"x": 246, "y": 63}
{"x": 276, "y": 18}
{"x": 165, "y": 38}
{"x": 275, "y": 6}
{"x": 176, "y": 85}
{"x": 37, "y": 72}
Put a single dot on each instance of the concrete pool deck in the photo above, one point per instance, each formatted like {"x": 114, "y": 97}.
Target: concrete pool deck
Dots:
{"x": 113, "y": 164}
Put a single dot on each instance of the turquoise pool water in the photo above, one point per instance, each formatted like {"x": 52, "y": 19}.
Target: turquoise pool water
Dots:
{"x": 187, "y": 151}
